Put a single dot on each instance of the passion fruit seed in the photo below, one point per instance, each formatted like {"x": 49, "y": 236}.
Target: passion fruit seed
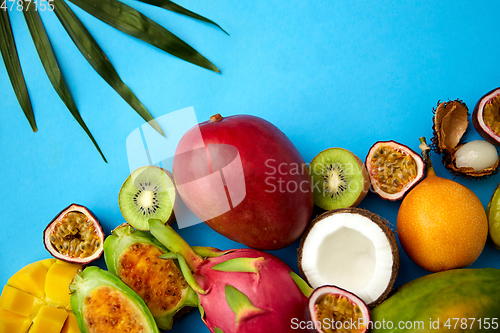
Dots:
{"x": 393, "y": 168}
{"x": 75, "y": 236}
{"x": 338, "y": 308}
{"x": 491, "y": 114}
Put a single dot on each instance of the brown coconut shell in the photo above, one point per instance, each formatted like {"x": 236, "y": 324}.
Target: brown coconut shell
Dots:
{"x": 381, "y": 223}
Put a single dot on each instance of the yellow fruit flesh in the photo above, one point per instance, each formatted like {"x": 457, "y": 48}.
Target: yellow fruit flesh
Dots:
{"x": 70, "y": 326}
{"x": 75, "y": 236}
{"x": 442, "y": 224}
{"x": 334, "y": 309}
{"x": 58, "y": 279}
{"x": 11, "y": 322}
{"x": 31, "y": 278}
{"x": 491, "y": 114}
{"x": 392, "y": 168}
{"x": 18, "y": 302}
{"x": 107, "y": 310}
{"x": 37, "y": 298}
{"x": 49, "y": 320}
{"x": 47, "y": 263}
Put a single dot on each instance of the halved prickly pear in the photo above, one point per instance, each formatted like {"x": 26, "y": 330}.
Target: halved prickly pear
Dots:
{"x": 74, "y": 235}
{"x": 103, "y": 303}
{"x": 133, "y": 256}
{"x": 240, "y": 291}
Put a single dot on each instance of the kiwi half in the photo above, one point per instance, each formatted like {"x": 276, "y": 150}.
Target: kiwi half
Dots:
{"x": 340, "y": 179}
{"x": 148, "y": 193}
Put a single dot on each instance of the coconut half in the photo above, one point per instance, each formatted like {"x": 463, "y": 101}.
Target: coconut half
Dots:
{"x": 353, "y": 249}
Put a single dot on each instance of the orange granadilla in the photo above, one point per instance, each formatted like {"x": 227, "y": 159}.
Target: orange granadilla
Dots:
{"x": 441, "y": 224}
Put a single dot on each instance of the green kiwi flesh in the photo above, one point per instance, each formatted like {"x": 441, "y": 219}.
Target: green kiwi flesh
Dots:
{"x": 148, "y": 193}
{"x": 340, "y": 179}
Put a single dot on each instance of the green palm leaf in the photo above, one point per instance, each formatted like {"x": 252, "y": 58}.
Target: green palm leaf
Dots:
{"x": 11, "y": 60}
{"x": 172, "y": 6}
{"x": 98, "y": 59}
{"x": 134, "y": 23}
{"x": 49, "y": 62}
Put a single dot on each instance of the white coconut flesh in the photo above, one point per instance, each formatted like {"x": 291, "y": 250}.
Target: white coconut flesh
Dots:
{"x": 350, "y": 251}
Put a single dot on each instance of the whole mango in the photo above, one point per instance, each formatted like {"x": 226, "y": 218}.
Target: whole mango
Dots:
{"x": 37, "y": 298}
{"x": 460, "y": 300}
{"x": 246, "y": 180}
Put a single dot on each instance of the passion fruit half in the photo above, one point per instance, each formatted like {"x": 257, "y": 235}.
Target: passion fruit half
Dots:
{"x": 393, "y": 169}
{"x": 333, "y": 309}
{"x": 75, "y": 236}
{"x": 486, "y": 116}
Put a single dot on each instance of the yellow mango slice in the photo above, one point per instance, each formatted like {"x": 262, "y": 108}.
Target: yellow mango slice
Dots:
{"x": 12, "y": 323}
{"x": 59, "y": 277}
{"x": 48, "y": 262}
{"x": 70, "y": 326}
{"x": 49, "y": 320}
{"x": 36, "y": 299}
{"x": 30, "y": 278}
{"x": 18, "y": 302}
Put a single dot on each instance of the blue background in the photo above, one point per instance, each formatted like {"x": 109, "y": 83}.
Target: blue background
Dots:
{"x": 327, "y": 73}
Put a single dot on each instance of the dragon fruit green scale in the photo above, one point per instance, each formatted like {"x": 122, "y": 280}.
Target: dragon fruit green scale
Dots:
{"x": 241, "y": 290}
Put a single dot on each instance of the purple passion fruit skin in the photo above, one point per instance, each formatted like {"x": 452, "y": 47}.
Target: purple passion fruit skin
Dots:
{"x": 132, "y": 255}
{"x": 102, "y": 303}
{"x": 486, "y": 116}
{"x": 335, "y": 307}
{"x": 74, "y": 235}
{"x": 393, "y": 169}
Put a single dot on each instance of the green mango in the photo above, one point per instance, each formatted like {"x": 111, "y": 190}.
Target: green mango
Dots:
{"x": 493, "y": 214}
{"x": 460, "y": 300}
{"x": 101, "y": 302}
{"x": 132, "y": 255}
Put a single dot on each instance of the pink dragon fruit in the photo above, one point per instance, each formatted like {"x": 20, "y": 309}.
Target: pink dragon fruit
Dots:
{"x": 240, "y": 291}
